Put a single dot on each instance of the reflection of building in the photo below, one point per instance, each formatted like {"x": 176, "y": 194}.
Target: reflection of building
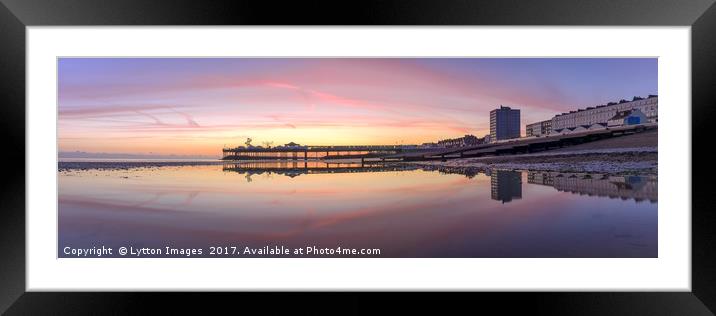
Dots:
{"x": 467, "y": 140}
{"x": 506, "y": 185}
{"x": 504, "y": 123}
{"x": 539, "y": 128}
{"x": 638, "y": 188}
{"x": 603, "y": 113}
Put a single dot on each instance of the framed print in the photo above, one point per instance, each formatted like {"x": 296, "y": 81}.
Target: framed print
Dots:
{"x": 453, "y": 147}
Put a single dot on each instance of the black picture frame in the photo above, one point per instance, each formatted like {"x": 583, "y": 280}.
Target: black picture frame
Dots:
{"x": 16, "y": 15}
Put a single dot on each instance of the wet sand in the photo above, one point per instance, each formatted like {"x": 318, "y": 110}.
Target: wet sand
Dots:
{"x": 612, "y": 163}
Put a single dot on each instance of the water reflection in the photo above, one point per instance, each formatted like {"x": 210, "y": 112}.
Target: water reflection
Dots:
{"x": 406, "y": 211}
{"x": 638, "y": 188}
{"x": 505, "y": 185}
{"x": 296, "y": 168}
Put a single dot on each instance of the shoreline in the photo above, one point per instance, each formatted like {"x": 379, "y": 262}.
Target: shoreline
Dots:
{"x": 631, "y": 154}
{"x": 641, "y": 160}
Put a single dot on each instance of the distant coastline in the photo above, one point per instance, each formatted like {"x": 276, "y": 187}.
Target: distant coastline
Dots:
{"x": 93, "y": 155}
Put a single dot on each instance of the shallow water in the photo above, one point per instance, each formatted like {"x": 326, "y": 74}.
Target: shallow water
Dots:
{"x": 403, "y": 211}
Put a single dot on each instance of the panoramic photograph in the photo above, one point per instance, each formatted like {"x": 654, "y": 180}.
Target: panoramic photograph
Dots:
{"x": 414, "y": 157}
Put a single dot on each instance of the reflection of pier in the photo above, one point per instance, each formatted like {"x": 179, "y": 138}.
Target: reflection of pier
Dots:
{"x": 506, "y": 185}
{"x": 469, "y": 172}
{"x": 296, "y": 168}
{"x": 639, "y": 188}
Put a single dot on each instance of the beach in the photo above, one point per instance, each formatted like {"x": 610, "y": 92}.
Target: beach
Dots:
{"x": 628, "y": 154}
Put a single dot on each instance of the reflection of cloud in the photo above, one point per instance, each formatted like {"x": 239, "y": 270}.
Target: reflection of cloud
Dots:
{"x": 190, "y": 197}
{"x": 156, "y": 197}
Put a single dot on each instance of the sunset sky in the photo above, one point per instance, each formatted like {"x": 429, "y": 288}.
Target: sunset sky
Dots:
{"x": 195, "y": 106}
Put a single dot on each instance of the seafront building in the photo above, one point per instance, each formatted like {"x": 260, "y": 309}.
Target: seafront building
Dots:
{"x": 504, "y": 123}
{"x": 539, "y": 128}
{"x": 628, "y": 117}
{"x": 599, "y": 116}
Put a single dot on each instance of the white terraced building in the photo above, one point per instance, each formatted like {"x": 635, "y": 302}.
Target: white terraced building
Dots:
{"x": 602, "y": 113}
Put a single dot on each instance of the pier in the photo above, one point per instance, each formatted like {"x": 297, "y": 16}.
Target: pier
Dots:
{"x": 387, "y": 153}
